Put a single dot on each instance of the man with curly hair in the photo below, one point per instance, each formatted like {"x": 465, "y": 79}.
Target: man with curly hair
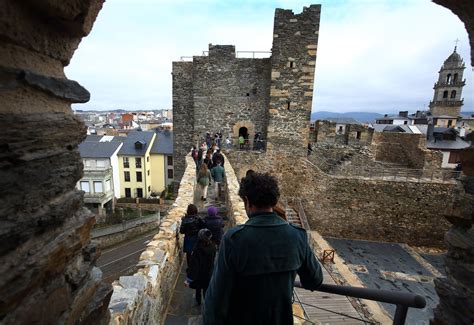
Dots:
{"x": 258, "y": 261}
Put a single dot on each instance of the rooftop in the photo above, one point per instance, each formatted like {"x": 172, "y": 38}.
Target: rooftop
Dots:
{"x": 94, "y": 146}
{"x": 163, "y": 143}
{"x": 129, "y": 148}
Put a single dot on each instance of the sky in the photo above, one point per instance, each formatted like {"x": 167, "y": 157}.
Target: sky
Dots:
{"x": 373, "y": 55}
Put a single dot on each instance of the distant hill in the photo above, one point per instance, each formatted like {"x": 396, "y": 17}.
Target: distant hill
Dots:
{"x": 364, "y": 117}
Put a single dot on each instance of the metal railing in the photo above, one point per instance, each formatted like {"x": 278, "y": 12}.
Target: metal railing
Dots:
{"x": 447, "y": 102}
{"x": 248, "y": 145}
{"x": 238, "y": 54}
{"x": 259, "y": 54}
{"x": 402, "y": 300}
{"x": 386, "y": 173}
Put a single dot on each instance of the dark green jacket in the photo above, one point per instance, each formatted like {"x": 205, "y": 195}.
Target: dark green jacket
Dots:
{"x": 257, "y": 264}
{"x": 218, "y": 174}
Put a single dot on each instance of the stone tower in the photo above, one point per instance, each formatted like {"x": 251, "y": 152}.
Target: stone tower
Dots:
{"x": 271, "y": 96}
{"x": 447, "y": 100}
{"x": 295, "y": 40}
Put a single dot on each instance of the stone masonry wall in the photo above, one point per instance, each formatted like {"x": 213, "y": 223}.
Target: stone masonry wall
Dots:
{"x": 183, "y": 112}
{"x": 403, "y": 148}
{"x": 143, "y": 298}
{"x": 46, "y": 255}
{"x": 295, "y": 41}
{"x": 381, "y": 210}
{"x": 228, "y": 90}
{"x": 371, "y": 209}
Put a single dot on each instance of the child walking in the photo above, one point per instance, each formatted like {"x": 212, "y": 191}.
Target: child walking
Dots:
{"x": 202, "y": 264}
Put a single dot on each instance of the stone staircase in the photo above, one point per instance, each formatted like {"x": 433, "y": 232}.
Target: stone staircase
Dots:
{"x": 293, "y": 217}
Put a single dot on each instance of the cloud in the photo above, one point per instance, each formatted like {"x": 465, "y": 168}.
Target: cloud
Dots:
{"x": 378, "y": 57}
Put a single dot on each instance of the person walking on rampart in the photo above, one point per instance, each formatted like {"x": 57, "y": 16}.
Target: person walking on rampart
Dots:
{"x": 215, "y": 224}
{"x": 204, "y": 180}
{"x": 217, "y": 157}
{"x": 218, "y": 175}
{"x": 191, "y": 223}
{"x": 202, "y": 264}
{"x": 194, "y": 154}
{"x": 258, "y": 261}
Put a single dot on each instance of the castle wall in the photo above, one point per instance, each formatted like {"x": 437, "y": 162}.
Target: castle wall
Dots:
{"x": 295, "y": 39}
{"x": 403, "y": 148}
{"x": 47, "y": 259}
{"x": 183, "y": 112}
{"x": 228, "y": 90}
{"x": 355, "y": 207}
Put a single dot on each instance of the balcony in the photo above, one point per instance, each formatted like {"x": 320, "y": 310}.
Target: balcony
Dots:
{"x": 100, "y": 197}
{"x": 447, "y": 102}
{"x": 97, "y": 172}
{"x": 450, "y": 84}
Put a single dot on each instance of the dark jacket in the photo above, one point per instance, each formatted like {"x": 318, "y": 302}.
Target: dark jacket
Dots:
{"x": 216, "y": 157}
{"x": 218, "y": 174}
{"x": 201, "y": 265}
{"x": 255, "y": 272}
{"x": 215, "y": 224}
{"x": 190, "y": 226}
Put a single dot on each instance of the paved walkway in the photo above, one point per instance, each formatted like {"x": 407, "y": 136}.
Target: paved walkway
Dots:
{"x": 183, "y": 309}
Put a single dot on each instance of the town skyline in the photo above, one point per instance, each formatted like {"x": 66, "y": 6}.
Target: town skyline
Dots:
{"x": 352, "y": 46}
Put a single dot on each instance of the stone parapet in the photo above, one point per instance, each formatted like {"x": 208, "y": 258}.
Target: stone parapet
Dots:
{"x": 235, "y": 205}
{"x": 144, "y": 297}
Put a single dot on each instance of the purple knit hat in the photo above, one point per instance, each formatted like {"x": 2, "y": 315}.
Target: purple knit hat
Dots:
{"x": 212, "y": 211}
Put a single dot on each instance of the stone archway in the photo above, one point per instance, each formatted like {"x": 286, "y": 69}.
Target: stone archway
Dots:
{"x": 243, "y": 124}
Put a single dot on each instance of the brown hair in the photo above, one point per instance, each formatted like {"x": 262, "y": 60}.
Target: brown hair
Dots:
{"x": 202, "y": 170}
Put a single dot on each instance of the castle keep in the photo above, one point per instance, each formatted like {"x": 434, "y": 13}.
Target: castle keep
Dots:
{"x": 222, "y": 92}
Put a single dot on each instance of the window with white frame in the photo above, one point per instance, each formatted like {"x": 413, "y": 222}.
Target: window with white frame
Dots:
{"x": 98, "y": 187}
{"x": 85, "y": 187}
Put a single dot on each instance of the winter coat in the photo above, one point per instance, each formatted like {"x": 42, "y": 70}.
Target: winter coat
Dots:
{"x": 215, "y": 224}
{"x": 204, "y": 180}
{"x": 201, "y": 265}
{"x": 255, "y": 272}
{"x": 218, "y": 157}
{"x": 190, "y": 226}
{"x": 218, "y": 174}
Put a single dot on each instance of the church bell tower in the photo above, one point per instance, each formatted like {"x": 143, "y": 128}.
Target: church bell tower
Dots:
{"x": 447, "y": 99}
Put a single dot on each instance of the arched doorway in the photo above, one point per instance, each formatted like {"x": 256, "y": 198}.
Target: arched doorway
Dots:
{"x": 243, "y": 131}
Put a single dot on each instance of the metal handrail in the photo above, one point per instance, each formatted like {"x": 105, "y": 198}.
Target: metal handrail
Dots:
{"x": 402, "y": 300}
{"x": 393, "y": 172}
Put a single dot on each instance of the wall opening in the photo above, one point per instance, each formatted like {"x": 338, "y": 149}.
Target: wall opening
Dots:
{"x": 243, "y": 131}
